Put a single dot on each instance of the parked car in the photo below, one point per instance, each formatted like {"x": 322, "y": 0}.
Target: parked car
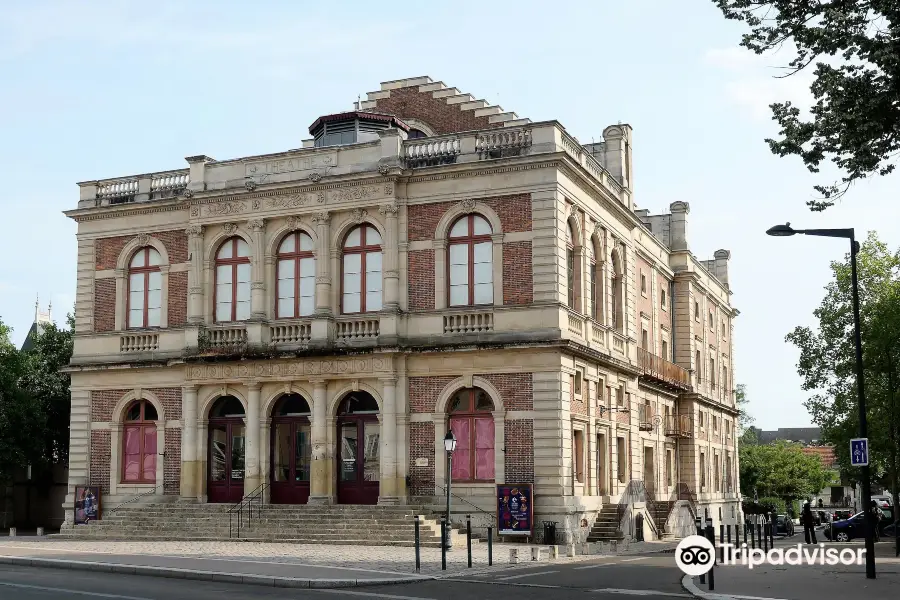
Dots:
{"x": 844, "y": 530}
{"x": 889, "y": 531}
{"x": 840, "y": 515}
{"x": 783, "y": 524}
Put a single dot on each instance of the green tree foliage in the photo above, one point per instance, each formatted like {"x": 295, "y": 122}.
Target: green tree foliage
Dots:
{"x": 780, "y": 470}
{"x": 827, "y": 361}
{"x": 855, "y": 121}
{"x": 745, "y": 419}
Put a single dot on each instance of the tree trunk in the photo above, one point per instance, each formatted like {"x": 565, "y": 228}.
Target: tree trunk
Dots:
{"x": 895, "y": 454}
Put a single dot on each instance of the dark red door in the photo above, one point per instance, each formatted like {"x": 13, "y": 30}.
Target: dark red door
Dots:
{"x": 290, "y": 460}
{"x": 359, "y": 462}
{"x": 226, "y": 460}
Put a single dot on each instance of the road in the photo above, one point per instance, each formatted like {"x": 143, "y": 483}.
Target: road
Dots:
{"x": 602, "y": 579}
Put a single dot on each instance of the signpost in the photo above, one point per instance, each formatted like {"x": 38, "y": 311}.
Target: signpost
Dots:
{"x": 859, "y": 452}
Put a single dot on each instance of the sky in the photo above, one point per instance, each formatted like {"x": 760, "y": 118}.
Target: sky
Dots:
{"x": 91, "y": 90}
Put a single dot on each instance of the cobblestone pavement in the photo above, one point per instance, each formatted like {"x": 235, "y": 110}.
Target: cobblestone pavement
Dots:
{"x": 379, "y": 558}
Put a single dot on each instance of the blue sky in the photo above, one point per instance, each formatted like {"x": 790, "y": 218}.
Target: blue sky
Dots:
{"x": 102, "y": 89}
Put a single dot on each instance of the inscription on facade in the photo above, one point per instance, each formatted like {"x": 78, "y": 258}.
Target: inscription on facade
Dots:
{"x": 291, "y": 165}
{"x": 288, "y": 369}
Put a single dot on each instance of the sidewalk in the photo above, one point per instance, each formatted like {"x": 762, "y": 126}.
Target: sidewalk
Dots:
{"x": 274, "y": 564}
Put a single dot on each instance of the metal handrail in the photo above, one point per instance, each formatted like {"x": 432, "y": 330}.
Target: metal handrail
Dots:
{"x": 239, "y": 509}
{"x": 481, "y": 510}
{"x": 134, "y": 498}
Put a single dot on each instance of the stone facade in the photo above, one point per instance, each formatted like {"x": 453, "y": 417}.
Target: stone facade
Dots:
{"x": 586, "y": 401}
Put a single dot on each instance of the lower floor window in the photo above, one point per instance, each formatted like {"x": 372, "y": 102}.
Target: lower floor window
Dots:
{"x": 140, "y": 453}
{"x": 474, "y": 455}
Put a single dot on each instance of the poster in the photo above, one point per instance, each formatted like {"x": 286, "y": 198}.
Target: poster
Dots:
{"x": 87, "y": 503}
{"x": 515, "y": 510}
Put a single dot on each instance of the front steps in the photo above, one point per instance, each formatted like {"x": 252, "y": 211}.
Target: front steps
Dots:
{"x": 606, "y": 527}
{"x": 301, "y": 524}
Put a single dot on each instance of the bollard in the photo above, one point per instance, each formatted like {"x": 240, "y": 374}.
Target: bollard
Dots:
{"x": 728, "y": 539}
{"x": 513, "y": 556}
{"x": 443, "y": 543}
{"x": 721, "y": 542}
{"x": 772, "y": 532}
{"x": 711, "y": 536}
{"x": 745, "y": 533}
{"x": 418, "y": 555}
{"x": 554, "y": 552}
{"x": 536, "y": 554}
{"x": 490, "y": 545}
{"x": 766, "y": 537}
{"x": 759, "y": 540}
{"x": 40, "y": 531}
{"x": 469, "y": 538}
{"x": 12, "y": 532}
{"x": 570, "y": 550}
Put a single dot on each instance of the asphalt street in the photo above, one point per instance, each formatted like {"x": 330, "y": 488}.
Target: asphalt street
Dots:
{"x": 654, "y": 576}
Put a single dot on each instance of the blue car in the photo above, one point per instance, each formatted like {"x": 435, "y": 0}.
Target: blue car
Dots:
{"x": 847, "y": 529}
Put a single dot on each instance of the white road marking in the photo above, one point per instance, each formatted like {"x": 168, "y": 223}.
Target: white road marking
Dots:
{"x": 611, "y": 563}
{"x": 688, "y": 583}
{"x": 508, "y": 577}
{"x": 641, "y": 593}
{"x": 80, "y": 592}
{"x": 370, "y": 594}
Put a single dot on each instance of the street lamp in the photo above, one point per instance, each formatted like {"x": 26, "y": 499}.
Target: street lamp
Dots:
{"x": 785, "y": 231}
{"x": 449, "y": 447}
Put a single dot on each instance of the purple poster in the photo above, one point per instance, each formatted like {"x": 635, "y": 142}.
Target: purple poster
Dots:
{"x": 515, "y": 510}
{"x": 87, "y": 504}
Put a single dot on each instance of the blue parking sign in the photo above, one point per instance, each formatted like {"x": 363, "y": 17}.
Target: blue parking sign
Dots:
{"x": 859, "y": 452}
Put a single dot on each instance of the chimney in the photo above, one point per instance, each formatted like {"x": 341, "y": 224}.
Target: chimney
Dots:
{"x": 678, "y": 233}
{"x": 722, "y": 258}
{"x": 617, "y": 153}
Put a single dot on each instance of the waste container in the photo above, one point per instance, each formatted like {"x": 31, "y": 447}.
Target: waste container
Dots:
{"x": 550, "y": 533}
{"x": 639, "y": 528}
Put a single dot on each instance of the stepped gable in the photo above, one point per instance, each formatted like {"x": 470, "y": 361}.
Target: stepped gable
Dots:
{"x": 439, "y": 109}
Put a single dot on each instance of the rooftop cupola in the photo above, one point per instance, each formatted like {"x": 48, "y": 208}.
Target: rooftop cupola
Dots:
{"x": 352, "y": 128}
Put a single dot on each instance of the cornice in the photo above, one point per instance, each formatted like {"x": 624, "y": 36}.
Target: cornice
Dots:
{"x": 113, "y": 212}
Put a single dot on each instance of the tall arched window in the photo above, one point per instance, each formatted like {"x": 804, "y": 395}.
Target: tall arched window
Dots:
{"x": 570, "y": 265}
{"x": 144, "y": 289}
{"x": 296, "y": 283}
{"x": 470, "y": 256}
{"x": 139, "y": 443}
{"x": 362, "y": 271}
{"x": 233, "y": 280}
{"x": 472, "y": 422}
{"x": 617, "y": 298}
{"x": 597, "y": 282}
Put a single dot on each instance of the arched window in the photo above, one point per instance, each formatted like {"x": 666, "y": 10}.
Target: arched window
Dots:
{"x": 570, "y": 265}
{"x": 144, "y": 289}
{"x": 472, "y": 422}
{"x": 617, "y": 298}
{"x": 233, "y": 280}
{"x": 470, "y": 256}
{"x": 362, "y": 271}
{"x": 139, "y": 443}
{"x": 296, "y": 283}
{"x": 597, "y": 308}
{"x": 415, "y": 134}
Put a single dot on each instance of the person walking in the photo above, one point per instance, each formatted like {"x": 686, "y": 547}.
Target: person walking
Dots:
{"x": 809, "y": 526}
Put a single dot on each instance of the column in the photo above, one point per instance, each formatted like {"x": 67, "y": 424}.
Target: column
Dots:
{"x": 322, "y": 222}
{"x": 391, "y": 258}
{"x": 388, "y": 485}
{"x": 189, "y": 469}
{"x": 251, "y": 445}
{"x": 319, "y": 492}
{"x": 195, "y": 274}
{"x": 257, "y": 229}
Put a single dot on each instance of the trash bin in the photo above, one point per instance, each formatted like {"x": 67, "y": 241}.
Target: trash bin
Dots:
{"x": 550, "y": 533}
{"x": 639, "y": 528}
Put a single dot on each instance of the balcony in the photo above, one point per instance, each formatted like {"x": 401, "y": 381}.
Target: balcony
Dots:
{"x": 680, "y": 426}
{"x": 647, "y": 418}
{"x": 662, "y": 371}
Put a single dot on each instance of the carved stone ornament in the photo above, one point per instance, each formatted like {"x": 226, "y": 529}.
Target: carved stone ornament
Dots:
{"x": 195, "y": 211}
{"x": 255, "y": 204}
{"x": 187, "y": 193}
{"x": 389, "y": 189}
{"x": 258, "y": 285}
{"x": 289, "y": 201}
{"x": 389, "y": 210}
{"x": 358, "y": 215}
{"x": 573, "y": 209}
{"x": 143, "y": 239}
{"x": 194, "y": 230}
{"x": 467, "y": 204}
{"x": 321, "y": 218}
{"x": 384, "y": 169}
{"x": 355, "y": 193}
{"x": 256, "y": 224}
{"x": 226, "y": 208}
{"x": 196, "y": 290}
{"x": 293, "y": 223}
{"x": 229, "y": 228}
{"x": 320, "y": 197}
{"x": 323, "y": 279}
{"x": 250, "y": 185}
{"x": 315, "y": 177}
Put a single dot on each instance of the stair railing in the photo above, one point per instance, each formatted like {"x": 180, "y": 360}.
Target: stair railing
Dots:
{"x": 246, "y": 501}
{"x": 149, "y": 492}
{"x": 460, "y": 498}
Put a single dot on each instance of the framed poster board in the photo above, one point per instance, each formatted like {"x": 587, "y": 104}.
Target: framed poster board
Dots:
{"x": 87, "y": 503}
{"x": 515, "y": 509}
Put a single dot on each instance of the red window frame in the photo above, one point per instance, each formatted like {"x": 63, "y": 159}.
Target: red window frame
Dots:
{"x": 363, "y": 249}
{"x": 234, "y": 261}
{"x": 145, "y": 270}
{"x": 472, "y": 415}
{"x": 470, "y": 239}
{"x": 140, "y": 426}
{"x": 296, "y": 256}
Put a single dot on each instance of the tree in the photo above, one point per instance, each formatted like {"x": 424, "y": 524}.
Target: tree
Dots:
{"x": 745, "y": 419}
{"x": 780, "y": 470}
{"x": 827, "y": 361}
{"x": 855, "y": 120}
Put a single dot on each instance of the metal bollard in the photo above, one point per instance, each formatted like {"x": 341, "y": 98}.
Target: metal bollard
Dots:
{"x": 711, "y": 536}
{"x": 490, "y": 545}
{"x": 443, "y": 544}
{"x": 12, "y": 532}
{"x": 759, "y": 535}
{"x": 469, "y": 538}
{"x": 418, "y": 555}
{"x": 766, "y": 537}
{"x": 721, "y": 542}
{"x": 40, "y": 531}
{"x": 728, "y": 539}
{"x": 745, "y": 533}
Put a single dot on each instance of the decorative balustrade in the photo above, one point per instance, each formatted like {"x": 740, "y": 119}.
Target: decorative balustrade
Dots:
{"x": 166, "y": 182}
{"x": 357, "y": 329}
{"x": 647, "y": 419}
{"x": 139, "y": 342}
{"x": 663, "y": 371}
{"x": 426, "y": 152}
{"x": 224, "y": 337}
{"x": 597, "y": 334}
{"x": 469, "y": 322}
{"x": 290, "y": 333}
{"x": 576, "y": 324}
{"x": 502, "y": 142}
{"x": 117, "y": 189}
{"x": 618, "y": 343}
{"x": 572, "y": 147}
{"x": 679, "y": 426}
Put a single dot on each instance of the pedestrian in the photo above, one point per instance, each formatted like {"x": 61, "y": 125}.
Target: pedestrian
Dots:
{"x": 809, "y": 528}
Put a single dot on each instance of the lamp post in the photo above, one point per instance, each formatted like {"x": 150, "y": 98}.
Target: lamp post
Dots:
{"x": 785, "y": 231}
{"x": 449, "y": 447}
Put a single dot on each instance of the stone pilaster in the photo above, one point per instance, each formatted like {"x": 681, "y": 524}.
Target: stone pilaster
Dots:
{"x": 251, "y": 447}
{"x": 319, "y": 492}
{"x": 391, "y": 258}
{"x": 257, "y": 229}
{"x": 189, "y": 449}
{"x": 388, "y": 475}
{"x": 322, "y": 221}
{"x": 195, "y": 274}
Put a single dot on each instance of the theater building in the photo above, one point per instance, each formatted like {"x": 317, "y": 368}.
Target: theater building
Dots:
{"x": 309, "y": 324}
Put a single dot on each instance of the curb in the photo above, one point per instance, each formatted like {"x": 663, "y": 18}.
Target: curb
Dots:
{"x": 173, "y": 573}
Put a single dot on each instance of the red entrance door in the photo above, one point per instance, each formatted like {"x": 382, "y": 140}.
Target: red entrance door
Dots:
{"x": 226, "y": 460}
{"x": 359, "y": 438}
{"x": 290, "y": 460}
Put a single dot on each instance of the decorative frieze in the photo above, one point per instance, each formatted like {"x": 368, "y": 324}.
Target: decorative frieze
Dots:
{"x": 301, "y": 368}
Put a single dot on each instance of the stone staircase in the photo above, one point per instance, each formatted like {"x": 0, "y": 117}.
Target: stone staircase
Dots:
{"x": 606, "y": 527}
{"x": 301, "y": 524}
{"x": 660, "y": 512}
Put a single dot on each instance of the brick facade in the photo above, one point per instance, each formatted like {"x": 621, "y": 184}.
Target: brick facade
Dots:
{"x": 410, "y": 103}
{"x": 171, "y": 401}
{"x": 107, "y": 250}
{"x": 518, "y": 281}
{"x": 519, "y": 451}
{"x": 423, "y": 393}
{"x": 172, "y": 460}
{"x": 104, "y": 304}
{"x": 178, "y": 284}
{"x": 100, "y": 453}
{"x": 516, "y": 389}
{"x": 513, "y": 210}
{"x": 420, "y": 268}
{"x": 421, "y": 445}
{"x": 102, "y": 404}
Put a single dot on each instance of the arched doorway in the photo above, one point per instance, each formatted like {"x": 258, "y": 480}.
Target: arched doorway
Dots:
{"x": 359, "y": 436}
{"x": 291, "y": 451}
{"x": 226, "y": 451}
